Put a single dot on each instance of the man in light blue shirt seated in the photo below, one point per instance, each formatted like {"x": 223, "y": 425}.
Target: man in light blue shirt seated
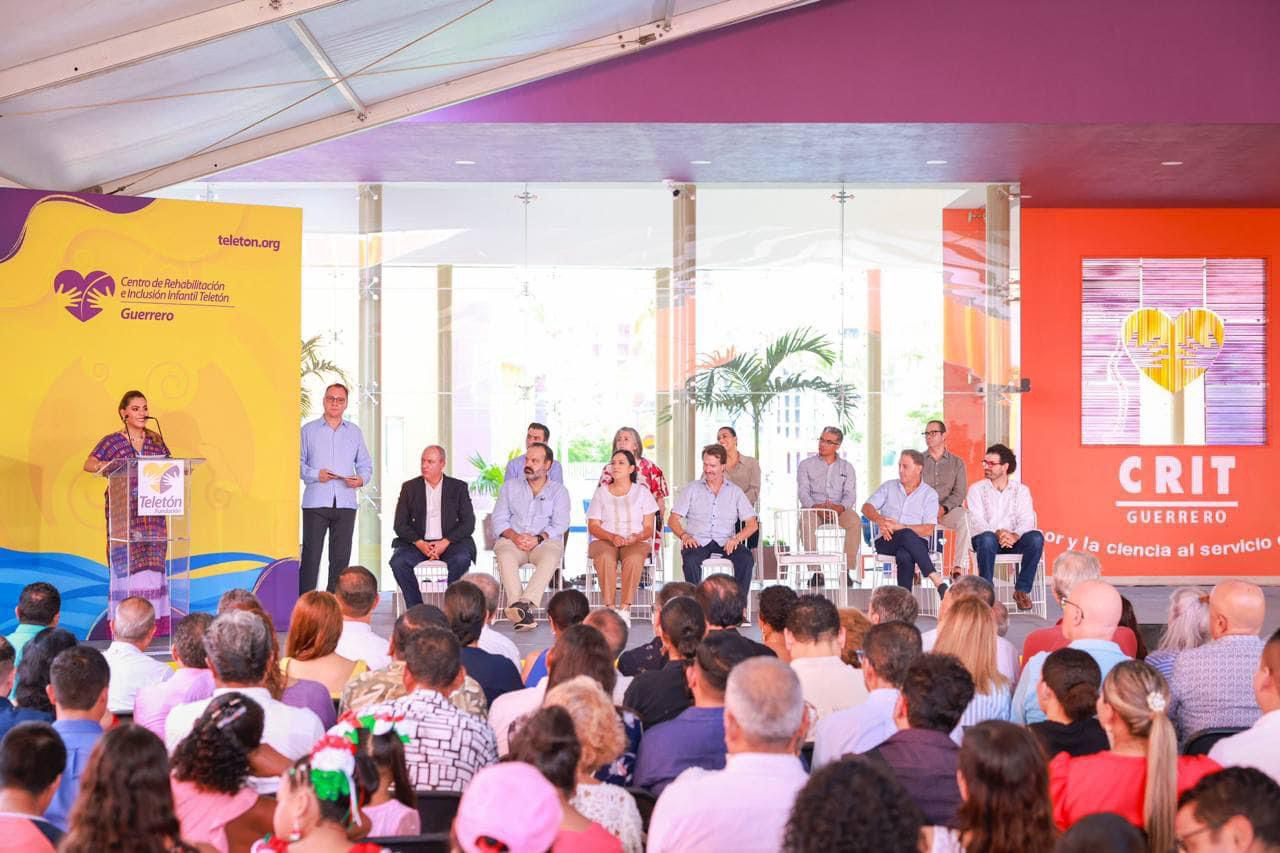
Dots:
{"x": 704, "y": 516}
{"x": 78, "y": 681}
{"x": 335, "y": 462}
{"x": 826, "y": 481}
{"x": 888, "y": 649}
{"x": 906, "y": 509}
{"x": 530, "y": 519}
{"x": 1089, "y": 619}
{"x": 536, "y": 434}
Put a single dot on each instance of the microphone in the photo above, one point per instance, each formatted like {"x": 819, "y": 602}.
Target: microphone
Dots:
{"x": 158, "y": 429}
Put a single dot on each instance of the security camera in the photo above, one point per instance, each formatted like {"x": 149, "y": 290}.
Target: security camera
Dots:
{"x": 675, "y": 192}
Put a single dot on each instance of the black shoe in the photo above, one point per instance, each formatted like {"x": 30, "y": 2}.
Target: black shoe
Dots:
{"x": 942, "y": 591}
{"x": 516, "y": 612}
{"x": 526, "y": 622}
{"x": 816, "y": 580}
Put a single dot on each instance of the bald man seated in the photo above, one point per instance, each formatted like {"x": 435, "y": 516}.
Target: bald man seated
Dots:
{"x": 1212, "y": 686}
{"x": 434, "y": 521}
{"x": 1089, "y": 619}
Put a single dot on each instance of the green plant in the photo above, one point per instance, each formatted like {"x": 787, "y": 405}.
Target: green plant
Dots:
{"x": 749, "y": 383}
{"x": 589, "y": 450}
{"x": 316, "y": 366}
{"x": 489, "y": 479}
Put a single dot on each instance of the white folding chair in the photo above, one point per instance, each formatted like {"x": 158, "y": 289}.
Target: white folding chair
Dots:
{"x": 885, "y": 568}
{"x": 433, "y": 579}
{"x": 816, "y": 562}
{"x": 653, "y": 568}
{"x": 1005, "y": 576}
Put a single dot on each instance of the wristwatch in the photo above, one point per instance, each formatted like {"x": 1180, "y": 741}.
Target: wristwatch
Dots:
{"x": 542, "y": 537}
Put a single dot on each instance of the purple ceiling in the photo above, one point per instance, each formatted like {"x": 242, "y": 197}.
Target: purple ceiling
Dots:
{"x": 1080, "y": 102}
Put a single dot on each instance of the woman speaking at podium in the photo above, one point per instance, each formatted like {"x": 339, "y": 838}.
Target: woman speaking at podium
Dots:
{"x": 136, "y": 553}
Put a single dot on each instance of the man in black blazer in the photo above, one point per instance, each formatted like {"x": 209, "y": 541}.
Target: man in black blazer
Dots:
{"x": 434, "y": 521}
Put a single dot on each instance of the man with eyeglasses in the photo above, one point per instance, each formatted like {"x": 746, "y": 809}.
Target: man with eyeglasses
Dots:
{"x": 335, "y": 462}
{"x": 826, "y": 481}
{"x": 945, "y": 472}
{"x": 1002, "y": 520}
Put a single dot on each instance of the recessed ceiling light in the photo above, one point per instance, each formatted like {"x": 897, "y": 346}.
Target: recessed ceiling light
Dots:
{"x": 935, "y": 162}
{"x": 464, "y": 162}
{"x": 699, "y": 162}
{"x": 1170, "y": 162}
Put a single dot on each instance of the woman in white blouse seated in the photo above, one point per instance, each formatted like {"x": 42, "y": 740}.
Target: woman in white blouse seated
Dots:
{"x": 968, "y": 631}
{"x": 620, "y": 520}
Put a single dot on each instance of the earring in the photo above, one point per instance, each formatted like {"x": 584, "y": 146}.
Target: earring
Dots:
{"x": 296, "y": 835}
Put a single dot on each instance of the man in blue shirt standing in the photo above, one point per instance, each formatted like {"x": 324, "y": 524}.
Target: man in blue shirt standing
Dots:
{"x": 78, "y": 681}
{"x": 536, "y": 434}
{"x": 906, "y": 509}
{"x": 335, "y": 462}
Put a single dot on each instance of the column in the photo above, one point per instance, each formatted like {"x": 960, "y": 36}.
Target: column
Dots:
{"x": 444, "y": 363}
{"x": 369, "y": 530}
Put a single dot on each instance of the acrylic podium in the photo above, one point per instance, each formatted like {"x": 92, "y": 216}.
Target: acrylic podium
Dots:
{"x": 149, "y": 534}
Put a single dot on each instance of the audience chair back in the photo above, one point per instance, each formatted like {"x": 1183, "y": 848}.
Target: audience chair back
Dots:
{"x": 437, "y": 809}
{"x": 645, "y": 802}
{"x": 1199, "y": 743}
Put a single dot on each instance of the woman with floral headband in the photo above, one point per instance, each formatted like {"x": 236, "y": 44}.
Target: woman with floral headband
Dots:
{"x": 1142, "y": 775}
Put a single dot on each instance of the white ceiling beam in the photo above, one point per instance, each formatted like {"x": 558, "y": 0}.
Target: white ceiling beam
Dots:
{"x": 537, "y": 67}
{"x": 322, "y": 59}
{"x": 10, "y": 183}
{"x": 148, "y": 43}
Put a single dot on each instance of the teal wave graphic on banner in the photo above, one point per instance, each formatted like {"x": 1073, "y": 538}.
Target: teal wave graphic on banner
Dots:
{"x": 83, "y": 583}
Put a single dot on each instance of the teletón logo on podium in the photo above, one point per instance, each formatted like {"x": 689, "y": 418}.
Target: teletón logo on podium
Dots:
{"x": 160, "y": 488}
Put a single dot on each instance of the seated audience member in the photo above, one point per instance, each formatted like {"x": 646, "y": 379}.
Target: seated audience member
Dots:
{"x": 616, "y": 631}
{"x": 1001, "y": 613}
{"x": 1004, "y": 793}
{"x": 490, "y": 640}
{"x": 826, "y": 481}
{"x": 239, "y": 653}
{"x": 393, "y": 806}
{"x": 133, "y": 629}
{"x": 1068, "y": 695}
{"x": 8, "y": 672}
{"x": 579, "y": 650}
{"x": 39, "y": 606}
{"x": 530, "y": 519}
{"x": 191, "y": 681}
{"x": 434, "y": 520}
{"x": 357, "y": 593}
{"x": 567, "y": 607}
{"x": 1002, "y": 520}
{"x": 295, "y": 692}
{"x": 659, "y": 695}
{"x": 1069, "y": 569}
{"x": 1212, "y": 685}
{"x": 935, "y": 691}
{"x": 78, "y": 689}
{"x": 1142, "y": 774}
{"x": 32, "y": 758}
{"x": 704, "y": 517}
{"x": 721, "y": 603}
{"x": 853, "y": 805}
{"x": 602, "y": 740}
{"x": 125, "y": 801}
{"x": 548, "y": 742}
{"x": 1237, "y": 809}
{"x": 972, "y": 586}
{"x": 490, "y": 819}
{"x": 447, "y": 746}
{"x": 1129, "y": 619}
{"x": 1088, "y": 622}
{"x": 893, "y": 604}
{"x": 765, "y": 721}
{"x": 652, "y": 655}
{"x": 620, "y": 520}
{"x": 1102, "y": 832}
{"x": 694, "y": 738}
{"x": 212, "y": 797}
{"x": 536, "y": 434}
{"x": 1258, "y": 746}
{"x": 33, "y": 704}
{"x": 969, "y": 634}
{"x": 384, "y": 685}
{"x": 1187, "y": 627}
{"x": 855, "y": 626}
{"x": 775, "y": 604}
{"x": 312, "y": 648}
{"x": 888, "y": 650}
{"x": 465, "y": 609}
{"x": 318, "y": 807}
{"x": 906, "y": 510}
{"x": 815, "y": 639}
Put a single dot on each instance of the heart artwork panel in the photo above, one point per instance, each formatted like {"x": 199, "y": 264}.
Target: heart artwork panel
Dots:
{"x": 1173, "y": 352}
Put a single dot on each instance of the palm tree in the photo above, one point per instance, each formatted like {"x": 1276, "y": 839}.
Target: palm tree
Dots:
{"x": 750, "y": 382}
{"x": 314, "y": 365}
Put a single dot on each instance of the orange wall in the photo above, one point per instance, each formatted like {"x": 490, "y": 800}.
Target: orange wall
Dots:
{"x": 1076, "y": 487}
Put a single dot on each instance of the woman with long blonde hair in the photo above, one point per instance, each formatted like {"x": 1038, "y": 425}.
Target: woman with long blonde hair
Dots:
{"x": 1142, "y": 775}
{"x": 968, "y": 632}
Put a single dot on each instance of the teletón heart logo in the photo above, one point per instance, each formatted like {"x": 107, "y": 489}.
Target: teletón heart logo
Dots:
{"x": 84, "y": 292}
{"x": 159, "y": 476}
{"x": 1173, "y": 353}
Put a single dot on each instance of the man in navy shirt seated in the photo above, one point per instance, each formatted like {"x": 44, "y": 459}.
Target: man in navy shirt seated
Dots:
{"x": 465, "y": 608}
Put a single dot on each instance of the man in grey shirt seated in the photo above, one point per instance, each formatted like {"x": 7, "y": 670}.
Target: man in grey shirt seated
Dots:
{"x": 906, "y": 509}
{"x": 826, "y": 481}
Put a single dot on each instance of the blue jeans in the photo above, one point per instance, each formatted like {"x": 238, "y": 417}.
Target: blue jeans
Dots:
{"x": 1030, "y": 546}
{"x": 457, "y": 557}
{"x": 908, "y": 550}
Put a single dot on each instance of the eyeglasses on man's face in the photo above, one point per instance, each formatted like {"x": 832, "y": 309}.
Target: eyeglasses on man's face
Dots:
{"x": 1181, "y": 843}
{"x": 335, "y": 399}
{"x": 828, "y": 441}
{"x": 991, "y": 463}
{"x": 1066, "y": 601}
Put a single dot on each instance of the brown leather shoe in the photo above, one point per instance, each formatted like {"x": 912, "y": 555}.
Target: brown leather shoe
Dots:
{"x": 1022, "y": 600}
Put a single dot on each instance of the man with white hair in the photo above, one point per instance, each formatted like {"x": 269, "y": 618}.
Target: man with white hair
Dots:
{"x": 745, "y": 806}
{"x": 490, "y": 640}
{"x": 133, "y": 629}
{"x": 1089, "y": 621}
{"x": 1069, "y": 569}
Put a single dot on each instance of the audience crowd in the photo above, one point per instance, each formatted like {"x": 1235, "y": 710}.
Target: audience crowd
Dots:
{"x": 841, "y": 731}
